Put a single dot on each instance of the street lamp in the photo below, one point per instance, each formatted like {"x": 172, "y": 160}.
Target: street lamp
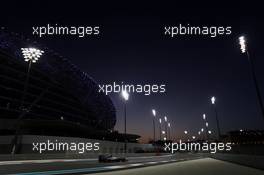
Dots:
{"x": 125, "y": 96}
{"x": 169, "y": 131}
{"x": 244, "y": 49}
{"x": 166, "y": 129}
{"x": 213, "y": 100}
{"x": 206, "y": 129}
{"x": 205, "y": 119}
{"x": 160, "y": 127}
{"x": 186, "y": 134}
{"x": 164, "y": 138}
{"x": 154, "y": 129}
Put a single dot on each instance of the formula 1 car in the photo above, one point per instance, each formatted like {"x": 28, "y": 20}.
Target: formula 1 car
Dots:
{"x": 107, "y": 158}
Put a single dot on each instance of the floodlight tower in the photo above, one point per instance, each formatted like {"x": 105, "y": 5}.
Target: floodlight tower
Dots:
{"x": 160, "y": 121}
{"x": 206, "y": 126}
{"x": 244, "y": 50}
{"x": 186, "y": 135}
{"x": 213, "y": 100}
{"x": 31, "y": 55}
{"x": 166, "y": 128}
{"x": 154, "y": 128}
{"x": 125, "y": 96}
{"x": 169, "y": 131}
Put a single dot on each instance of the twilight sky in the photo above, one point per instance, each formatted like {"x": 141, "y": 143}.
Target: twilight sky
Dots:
{"x": 132, "y": 48}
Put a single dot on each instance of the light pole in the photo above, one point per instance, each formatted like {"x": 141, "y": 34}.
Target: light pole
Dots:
{"x": 213, "y": 99}
{"x": 244, "y": 49}
{"x": 154, "y": 129}
{"x": 166, "y": 129}
{"x": 169, "y": 131}
{"x": 193, "y": 137}
{"x": 186, "y": 134}
{"x": 31, "y": 55}
{"x": 163, "y": 133}
{"x": 206, "y": 126}
{"x": 125, "y": 96}
{"x": 160, "y": 127}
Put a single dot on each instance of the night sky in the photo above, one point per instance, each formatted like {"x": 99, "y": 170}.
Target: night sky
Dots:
{"x": 132, "y": 48}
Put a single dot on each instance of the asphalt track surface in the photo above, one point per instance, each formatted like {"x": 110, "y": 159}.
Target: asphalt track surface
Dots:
{"x": 82, "y": 166}
{"x": 152, "y": 165}
{"x": 205, "y": 166}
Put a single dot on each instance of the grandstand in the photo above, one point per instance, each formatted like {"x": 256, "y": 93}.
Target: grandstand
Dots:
{"x": 60, "y": 100}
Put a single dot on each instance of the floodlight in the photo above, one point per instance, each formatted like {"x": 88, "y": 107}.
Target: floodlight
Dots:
{"x": 154, "y": 112}
{"x": 213, "y": 100}
{"x": 125, "y": 95}
{"x": 31, "y": 54}
{"x": 242, "y": 43}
